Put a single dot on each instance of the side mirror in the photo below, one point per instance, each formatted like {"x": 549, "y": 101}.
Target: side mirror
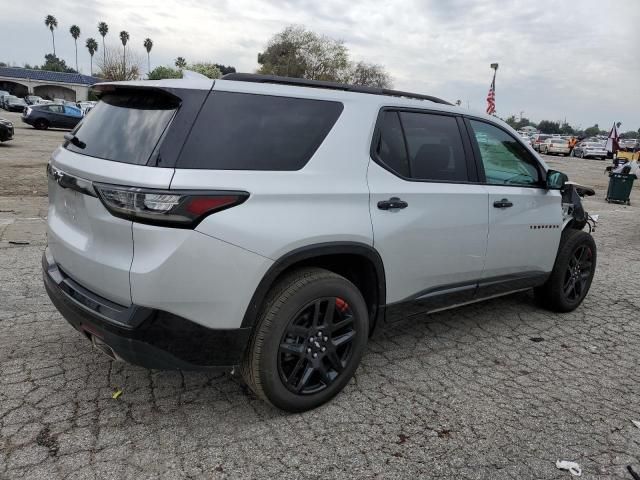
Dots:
{"x": 556, "y": 180}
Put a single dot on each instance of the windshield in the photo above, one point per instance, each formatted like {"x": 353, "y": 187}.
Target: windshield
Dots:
{"x": 559, "y": 141}
{"x": 125, "y": 126}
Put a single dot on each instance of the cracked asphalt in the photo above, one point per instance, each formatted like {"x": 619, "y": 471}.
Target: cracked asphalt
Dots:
{"x": 496, "y": 390}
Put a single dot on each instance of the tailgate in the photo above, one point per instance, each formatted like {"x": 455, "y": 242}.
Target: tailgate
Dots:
{"x": 87, "y": 242}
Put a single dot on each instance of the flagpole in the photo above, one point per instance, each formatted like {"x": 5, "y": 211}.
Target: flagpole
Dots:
{"x": 491, "y": 97}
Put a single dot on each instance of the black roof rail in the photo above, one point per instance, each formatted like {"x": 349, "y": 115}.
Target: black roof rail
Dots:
{"x": 301, "y": 82}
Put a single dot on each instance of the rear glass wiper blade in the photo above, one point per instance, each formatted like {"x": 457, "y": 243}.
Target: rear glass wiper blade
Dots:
{"x": 75, "y": 140}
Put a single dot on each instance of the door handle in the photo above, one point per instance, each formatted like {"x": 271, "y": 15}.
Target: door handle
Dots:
{"x": 393, "y": 203}
{"x": 504, "y": 203}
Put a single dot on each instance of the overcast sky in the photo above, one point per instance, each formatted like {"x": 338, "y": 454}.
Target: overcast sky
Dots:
{"x": 577, "y": 60}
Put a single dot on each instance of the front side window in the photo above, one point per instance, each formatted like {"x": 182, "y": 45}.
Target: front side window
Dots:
{"x": 506, "y": 161}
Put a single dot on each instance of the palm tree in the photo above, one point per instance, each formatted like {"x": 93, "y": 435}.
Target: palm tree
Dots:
{"x": 124, "y": 38}
{"x": 148, "y": 45}
{"x": 103, "y": 29}
{"x": 51, "y": 22}
{"x": 181, "y": 62}
{"x": 75, "y": 33}
{"x": 92, "y": 46}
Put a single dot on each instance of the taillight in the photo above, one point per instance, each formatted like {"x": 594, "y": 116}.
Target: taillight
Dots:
{"x": 169, "y": 208}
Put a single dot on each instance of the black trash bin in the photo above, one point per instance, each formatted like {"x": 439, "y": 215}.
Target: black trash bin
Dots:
{"x": 620, "y": 185}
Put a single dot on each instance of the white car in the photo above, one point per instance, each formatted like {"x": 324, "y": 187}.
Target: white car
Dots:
{"x": 266, "y": 224}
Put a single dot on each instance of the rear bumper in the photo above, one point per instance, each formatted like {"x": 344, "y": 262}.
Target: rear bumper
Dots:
{"x": 142, "y": 336}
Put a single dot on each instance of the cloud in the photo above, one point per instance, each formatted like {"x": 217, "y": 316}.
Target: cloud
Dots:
{"x": 557, "y": 59}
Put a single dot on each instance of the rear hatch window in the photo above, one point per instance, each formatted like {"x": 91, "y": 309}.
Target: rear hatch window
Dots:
{"x": 240, "y": 131}
{"x": 125, "y": 126}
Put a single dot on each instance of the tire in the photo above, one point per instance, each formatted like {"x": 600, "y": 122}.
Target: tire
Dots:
{"x": 582, "y": 154}
{"x": 307, "y": 313}
{"x": 570, "y": 279}
{"x": 41, "y": 124}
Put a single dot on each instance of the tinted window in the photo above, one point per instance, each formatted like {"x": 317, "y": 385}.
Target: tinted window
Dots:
{"x": 125, "y": 126}
{"x": 505, "y": 160}
{"x": 391, "y": 147}
{"x": 55, "y": 108}
{"x": 72, "y": 111}
{"x": 239, "y": 131}
{"x": 435, "y": 147}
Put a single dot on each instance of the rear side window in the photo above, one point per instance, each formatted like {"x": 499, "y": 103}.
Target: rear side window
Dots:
{"x": 125, "y": 126}
{"x": 422, "y": 146}
{"x": 392, "y": 150}
{"x": 240, "y": 131}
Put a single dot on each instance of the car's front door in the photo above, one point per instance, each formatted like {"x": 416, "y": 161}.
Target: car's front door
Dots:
{"x": 525, "y": 219}
{"x": 429, "y": 214}
{"x": 71, "y": 116}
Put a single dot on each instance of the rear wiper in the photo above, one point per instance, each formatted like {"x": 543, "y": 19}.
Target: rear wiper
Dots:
{"x": 75, "y": 140}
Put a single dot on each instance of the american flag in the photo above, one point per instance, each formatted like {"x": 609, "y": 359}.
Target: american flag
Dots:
{"x": 491, "y": 97}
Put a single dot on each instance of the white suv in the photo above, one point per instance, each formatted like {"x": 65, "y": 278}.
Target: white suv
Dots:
{"x": 267, "y": 224}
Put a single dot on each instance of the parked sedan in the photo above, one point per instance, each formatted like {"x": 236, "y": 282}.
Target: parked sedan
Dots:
{"x": 3, "y": 93}
{"x": 15, "y": 104}
{"x": 538, "y": 139}
{"x": 33, "y": 99}
{"x": 42, "y": 117}
{"x": 6, "y": 130}
{"x": 590, "y": 150}
{"x": 555, "y": 145}
{"x": 4, "y": 99}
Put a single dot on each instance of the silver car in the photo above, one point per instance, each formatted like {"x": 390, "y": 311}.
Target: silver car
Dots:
{"x": 555, "y": 145}
{"x": 590, "y": 150}
{"x": 265, "y": 224}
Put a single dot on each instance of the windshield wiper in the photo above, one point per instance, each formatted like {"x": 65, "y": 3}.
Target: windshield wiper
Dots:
{"x": 75, "y": 140}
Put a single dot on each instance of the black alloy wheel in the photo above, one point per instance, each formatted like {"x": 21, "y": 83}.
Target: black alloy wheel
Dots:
{"x": 316, "y": 345}
{"x": 572, "y": 274}
{"x": 578, "y": 273}
{"x": 308, "y": 341}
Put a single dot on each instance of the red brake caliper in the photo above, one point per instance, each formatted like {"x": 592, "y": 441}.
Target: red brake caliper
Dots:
{"x": 341, "y": 305}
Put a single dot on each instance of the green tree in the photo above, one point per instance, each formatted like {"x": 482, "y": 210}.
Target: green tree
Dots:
{"x": 547, "y": 126}
{"x": 566, "y": 129}
{"x": 592, "y": 131}
{"x": 124, "y": 38}
{"x": 224, "y": 69}
{"x": 51, "y": 23}
{"x": 160, "y": 73}
{"x": 55, "y": 64}
{"x": 103, "y": 29}
{"x": 92, "y": 46}
{"x": 148, "y": 45}
{"x": 75, "y": 33}
{"x": 518, "y": 124}
{"x": 297, "y": 52}
{"x": 367, "y": 74}
{"x": 180, "y": 63}
{"x": 207, "y": 69}
{"x": 630, "y": 134}
{"x": 301, "y": 53}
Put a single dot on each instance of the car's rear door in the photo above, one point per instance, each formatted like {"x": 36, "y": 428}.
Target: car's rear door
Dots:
{"x": 55, "y": 116}
{"x": 428, "y": 213}
{"x": 525, "y": 219}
